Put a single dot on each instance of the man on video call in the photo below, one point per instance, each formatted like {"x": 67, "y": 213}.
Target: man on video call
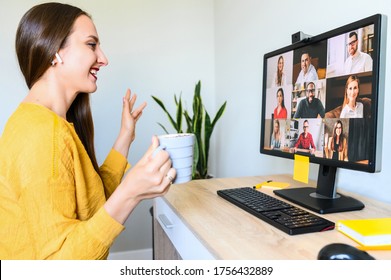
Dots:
{"x": 357, "y": 61}
{"x": 310, "y": 107}
{"x": 308, "y": 71}
{"x": 305, "y": 140}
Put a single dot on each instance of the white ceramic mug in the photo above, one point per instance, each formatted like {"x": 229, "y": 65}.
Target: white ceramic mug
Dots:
{"x": 180, "y": 147}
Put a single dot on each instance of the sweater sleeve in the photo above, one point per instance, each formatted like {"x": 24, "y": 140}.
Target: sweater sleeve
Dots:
{"x": 90, "y": 239}
{"x": 112, "y": 171}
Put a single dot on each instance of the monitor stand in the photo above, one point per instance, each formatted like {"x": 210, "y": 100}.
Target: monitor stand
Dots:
{"x": 323, "y": 199}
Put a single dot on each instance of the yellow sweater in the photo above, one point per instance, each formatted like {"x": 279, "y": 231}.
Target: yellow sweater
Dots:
{"x": 51, "y": 198}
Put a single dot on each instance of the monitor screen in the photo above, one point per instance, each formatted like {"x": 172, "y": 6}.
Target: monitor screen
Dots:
{"x": 322, "y": 97}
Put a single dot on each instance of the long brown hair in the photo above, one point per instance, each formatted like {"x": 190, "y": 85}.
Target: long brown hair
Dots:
{"x": 42, "y": 31}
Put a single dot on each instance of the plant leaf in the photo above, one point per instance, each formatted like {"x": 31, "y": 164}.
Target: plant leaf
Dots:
{"x": 188, "y": 122}
{"x": 195, "y": 160}
{"x": 207, "y": 134}
{"x": 160, "y": 103}
{"x": 219, "y": 113}
{"x": 163, "y": 127}
{"x": 197, "y": 123}
{"x": 209, "y": 127}
{"x": 179, "y": 114}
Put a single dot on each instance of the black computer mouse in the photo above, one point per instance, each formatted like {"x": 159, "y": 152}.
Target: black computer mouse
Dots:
{"x": 339, "y": 251}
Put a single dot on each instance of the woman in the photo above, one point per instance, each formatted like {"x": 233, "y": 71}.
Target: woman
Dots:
{"x": 276, "y": 135}
{"x": 279, "y": 76}
{"x": 350, "y": 107}
{"x": 280, "y": 111}
{"x": 57, "y": 203}
{"x": 337, "y": 145}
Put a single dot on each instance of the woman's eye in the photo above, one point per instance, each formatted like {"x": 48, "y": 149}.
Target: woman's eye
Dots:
{"x": 92, "y": 45}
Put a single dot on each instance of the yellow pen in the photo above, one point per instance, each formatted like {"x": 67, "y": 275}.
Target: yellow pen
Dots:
{"x": 257, "y": 186}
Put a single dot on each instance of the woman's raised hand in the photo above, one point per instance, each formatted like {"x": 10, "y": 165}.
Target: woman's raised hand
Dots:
{"x": 128, "y": 123}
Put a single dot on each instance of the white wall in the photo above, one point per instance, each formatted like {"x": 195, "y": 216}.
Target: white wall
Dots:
{"x": 164, "y": 47}
{"x": 245, "y": 31}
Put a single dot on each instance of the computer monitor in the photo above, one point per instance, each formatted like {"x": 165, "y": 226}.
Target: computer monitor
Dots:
{"x": 322, "y": 97}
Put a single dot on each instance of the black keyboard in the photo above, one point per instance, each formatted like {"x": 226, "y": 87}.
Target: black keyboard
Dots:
{"x": 286, "y": 217}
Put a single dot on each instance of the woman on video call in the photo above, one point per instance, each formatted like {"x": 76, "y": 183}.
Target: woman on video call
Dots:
{"x": 56, "y": 202}
{"x": 350, "y": 107}
{"x": 280, "y": 111}
{"x": 276, "y": 135}
{"x": 336, "y": 146}
{"x": 279, "y": 78}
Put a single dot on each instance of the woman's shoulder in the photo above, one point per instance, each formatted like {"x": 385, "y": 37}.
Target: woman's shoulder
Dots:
{"x": 34, "y": 116}
{"x": 32, "y": 122}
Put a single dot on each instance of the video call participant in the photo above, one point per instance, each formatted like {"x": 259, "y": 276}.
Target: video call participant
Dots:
{"x": 350, "y": 107}
{"x": 336, "y": 146}
{"x": 279, "y": 78}
{"x": 276, "y": 135}
{"x": 357, "y": 61}
{"x": 305, "y": 140}
{"x": 308, "y": 72}
{"x": 280, "y": 111}
{"x": 310, "y": 107}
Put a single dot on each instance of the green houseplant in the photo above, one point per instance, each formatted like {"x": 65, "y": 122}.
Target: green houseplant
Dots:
{"x": 199, "y": 123}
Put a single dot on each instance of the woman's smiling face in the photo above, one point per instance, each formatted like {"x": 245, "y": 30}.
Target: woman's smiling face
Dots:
{"x": 352, "y": 91}
{"x": 82, "y": 57}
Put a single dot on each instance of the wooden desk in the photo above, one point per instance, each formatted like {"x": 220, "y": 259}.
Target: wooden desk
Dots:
{"x": 206, "y": 226}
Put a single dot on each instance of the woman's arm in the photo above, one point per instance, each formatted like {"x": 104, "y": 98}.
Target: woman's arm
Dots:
{"x": 112, "y": 171}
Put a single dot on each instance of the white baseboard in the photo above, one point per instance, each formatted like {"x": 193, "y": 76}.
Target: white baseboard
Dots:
{"x": 145, "y": 254}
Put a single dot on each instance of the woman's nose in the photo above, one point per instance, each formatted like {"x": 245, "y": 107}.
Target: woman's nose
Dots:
{"x": 102, "y": 59}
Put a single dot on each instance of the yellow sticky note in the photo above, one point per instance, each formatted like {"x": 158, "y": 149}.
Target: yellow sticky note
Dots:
{"x": 275, "y": 185}
{"x": 301, "y": 168}
{"x": 272, "y": 184}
